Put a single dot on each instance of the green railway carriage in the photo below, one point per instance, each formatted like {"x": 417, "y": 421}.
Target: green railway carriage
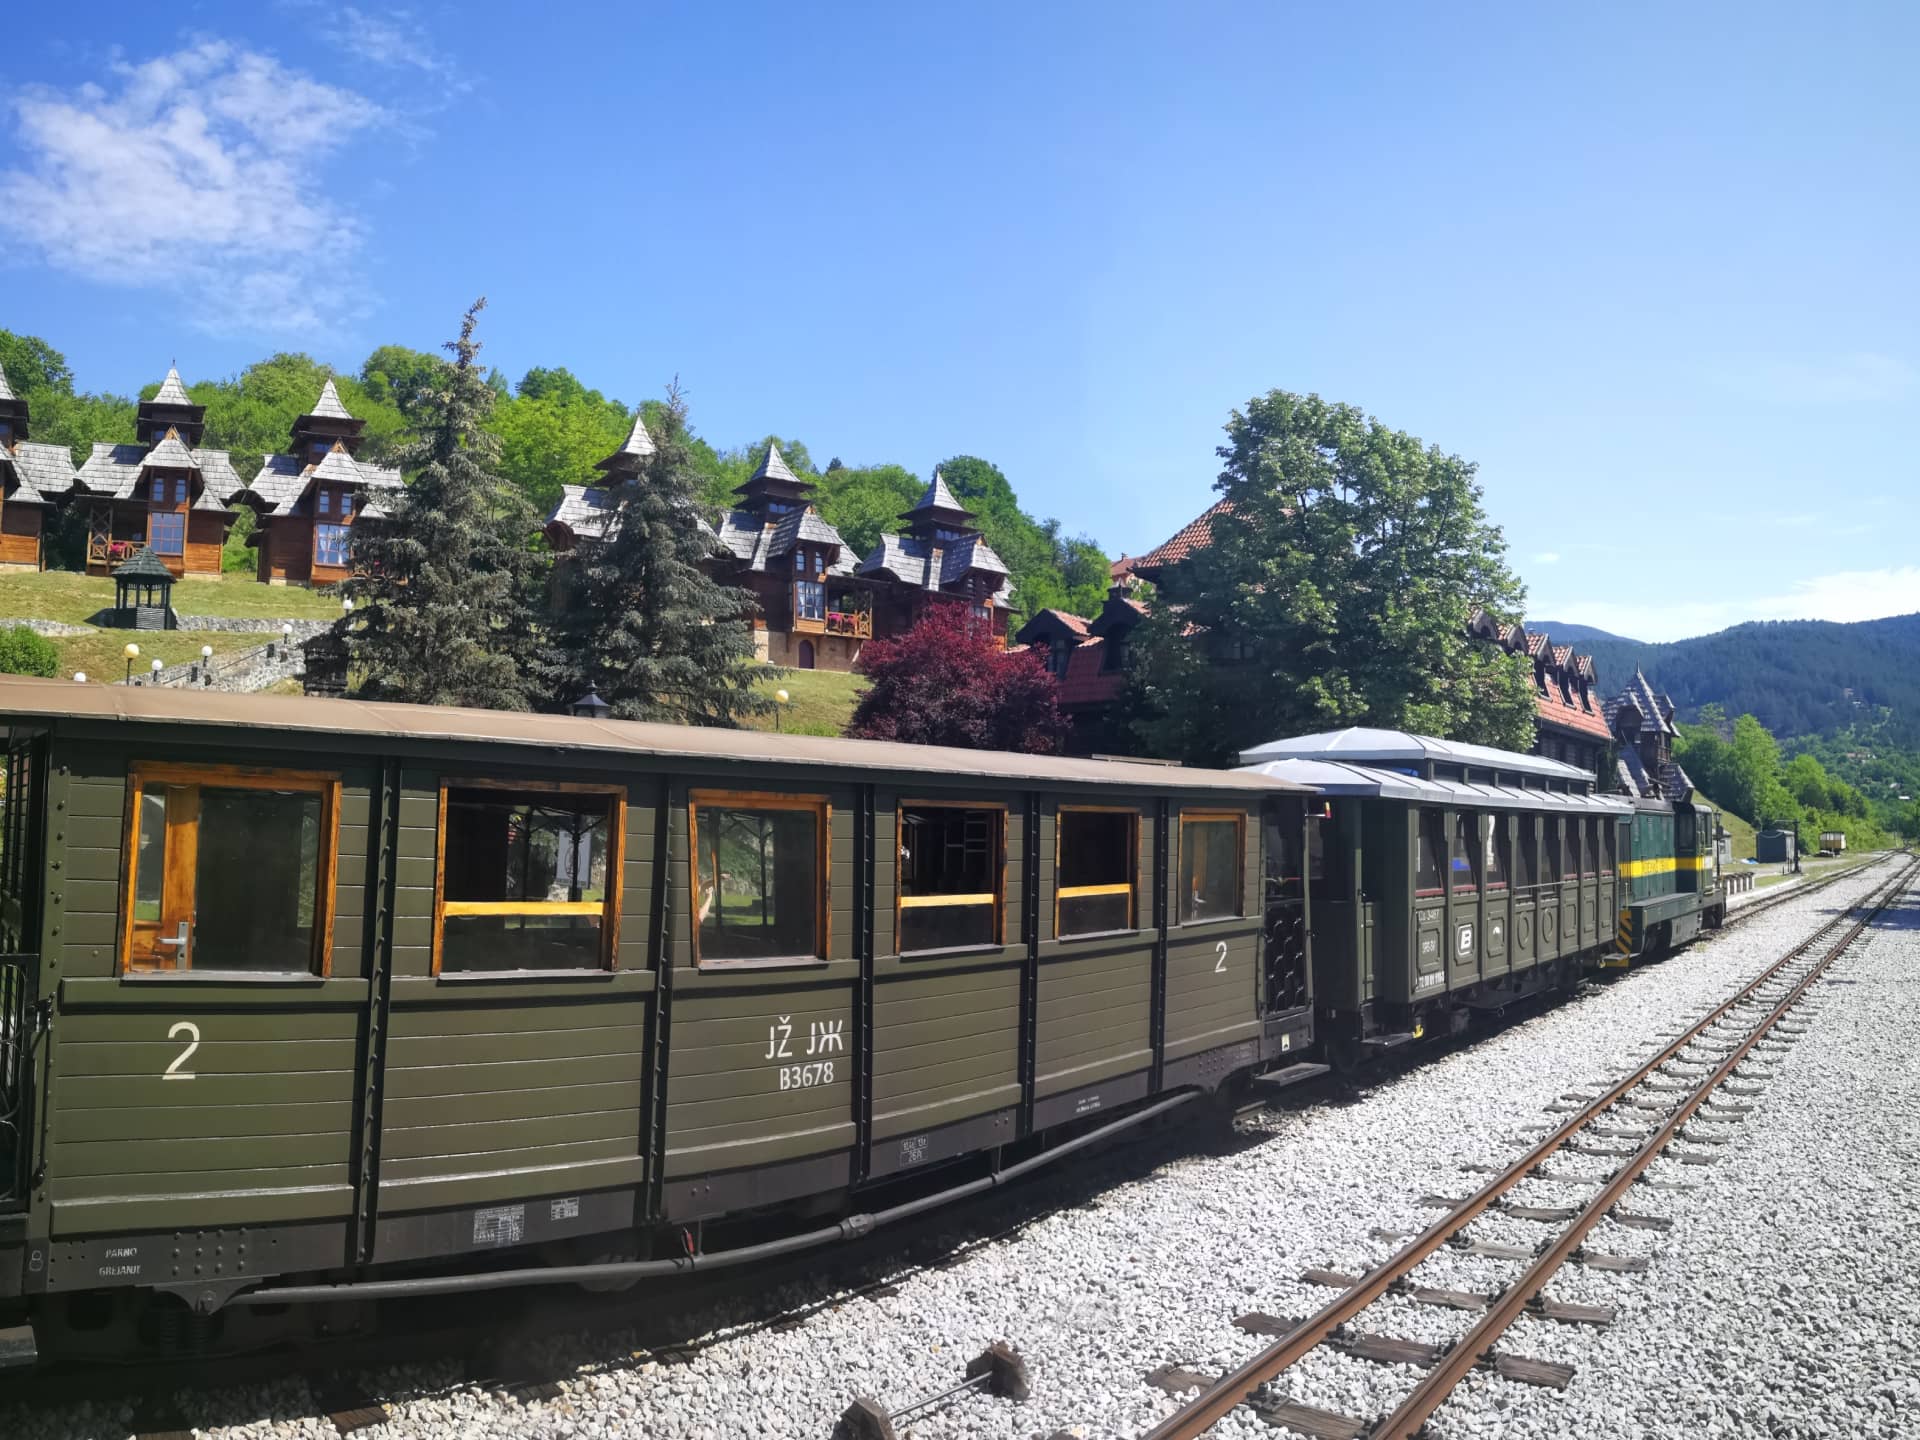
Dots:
{"x": 1452, "y": 878}
{"x": 1673, "y": 886}
{"x": 319, "y": 987}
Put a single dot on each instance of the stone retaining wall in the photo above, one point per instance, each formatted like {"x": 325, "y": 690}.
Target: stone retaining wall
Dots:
{"x": 237, "y": 672}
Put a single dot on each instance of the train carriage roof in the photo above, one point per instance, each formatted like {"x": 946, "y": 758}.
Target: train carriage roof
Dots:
{"x": 562, "y": 737}
{"x": 1341, "y": 778}
{"x": 1391, "y": 748}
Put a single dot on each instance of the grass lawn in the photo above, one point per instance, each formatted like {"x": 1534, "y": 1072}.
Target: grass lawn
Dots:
{"x": 820, "y": 702}
{"x": 64, "y": 595}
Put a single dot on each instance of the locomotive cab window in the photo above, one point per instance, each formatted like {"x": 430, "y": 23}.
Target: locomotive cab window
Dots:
{"x": 1095, "y": 871}
{"x": 951, "y": 876}
{"x": 1428, "y": 877}
{"x": 759, "y": 879}
{"x": 1211, "y": 851}
{"x": 528, "y": 878}
{"x": 230, "y": 870}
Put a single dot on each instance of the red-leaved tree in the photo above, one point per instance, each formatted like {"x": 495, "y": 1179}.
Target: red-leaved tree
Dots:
{"x": 948, "y": 682}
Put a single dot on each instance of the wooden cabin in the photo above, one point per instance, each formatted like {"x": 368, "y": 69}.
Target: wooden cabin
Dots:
{"x": 163, "y": 491}
{"x": 31, "y": 476}
{"x": 309, "y": 498}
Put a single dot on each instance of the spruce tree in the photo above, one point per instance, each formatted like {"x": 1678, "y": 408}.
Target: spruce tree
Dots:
{"x": 639, "y": 622}
{"x": 443, "y": 583}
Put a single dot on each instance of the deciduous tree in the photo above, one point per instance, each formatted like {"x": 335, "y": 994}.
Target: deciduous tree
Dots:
{"x": 947, "y": 682}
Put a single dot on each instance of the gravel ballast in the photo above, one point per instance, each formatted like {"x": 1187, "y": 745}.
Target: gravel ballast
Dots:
{"x": 1154, "y": 1272}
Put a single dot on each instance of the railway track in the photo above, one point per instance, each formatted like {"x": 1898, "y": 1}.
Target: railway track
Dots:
{"x": 1651, "y": 1108}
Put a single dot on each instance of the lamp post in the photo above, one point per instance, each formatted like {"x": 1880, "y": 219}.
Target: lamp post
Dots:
{"x": 780, "y": 702}
{"x": 79, "y": 677}
{"x": 591, "y": 707}
{"x": 132, "y": 652}
{"x": 157, "y": 666}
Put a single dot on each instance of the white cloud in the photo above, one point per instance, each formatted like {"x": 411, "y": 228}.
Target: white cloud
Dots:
{"x": 394, "y": 41}
{"x": 199, "y": 172}
{"x": 1844, "y": 596}
{"x": 1547, "y": 557}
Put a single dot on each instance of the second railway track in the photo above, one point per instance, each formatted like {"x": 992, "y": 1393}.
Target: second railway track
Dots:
{"x": 1639, "y": 1118}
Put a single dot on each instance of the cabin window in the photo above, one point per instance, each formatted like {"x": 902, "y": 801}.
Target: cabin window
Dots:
{"x": 231, "y": 871}
{"x": 324, "y": 498}
{"x": 1212, "y": 848}
{"x": 1550, "y": 848}
{"x": 810, "y": 600}
{"x": 158, "y": 490}
{"x": 759, "y": 879}
{"x": 529, "y": 877}
{"x": 951, "y": 876}
{"x": 1494, "y": 852}
{"x": 330, "y": 545}
{"x": 180, "y": 490}
{"x": 1095, "y": 867}
{"x": 346, "y": 503}
{"x": 1529, "y": 851}
{"x": 167, "y": 532}
{"x": 1428, "y": 878}
{"x": 799, "y": 562}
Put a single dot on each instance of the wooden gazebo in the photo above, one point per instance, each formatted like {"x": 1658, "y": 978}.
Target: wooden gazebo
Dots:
{"x": 143, "y": 592}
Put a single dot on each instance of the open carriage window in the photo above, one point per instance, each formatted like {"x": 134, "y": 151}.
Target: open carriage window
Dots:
{"x": 529, "y": 877}
{"x": 951, "y": 876}
{"x": 759, "y": 879}
{"x": 1495, "y": 851}
{"x": 1211, "y": 851}
{"x": 1550, "y": 848}
{"x": 1609, "y": 836}
{"x": 230, "y": 870}
{"x": 1464, "y": 861}
{"x": 1096, "y": 871}
{"x": 1529, "y": 875}
{"x": 1429, "y": 879}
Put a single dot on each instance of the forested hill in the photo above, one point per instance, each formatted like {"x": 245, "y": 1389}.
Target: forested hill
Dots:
{"x": 1800, "y": 677}
{"x": 1565, "y": 632}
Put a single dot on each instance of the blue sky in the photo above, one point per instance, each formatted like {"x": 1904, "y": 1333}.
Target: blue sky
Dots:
{"x": 1651, "y": 267}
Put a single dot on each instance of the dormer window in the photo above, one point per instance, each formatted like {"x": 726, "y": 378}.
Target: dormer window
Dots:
{"x": 318, "y": 449}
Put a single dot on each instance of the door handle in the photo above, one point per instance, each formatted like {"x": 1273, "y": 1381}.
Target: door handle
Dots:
{"x": 181, "y": 941}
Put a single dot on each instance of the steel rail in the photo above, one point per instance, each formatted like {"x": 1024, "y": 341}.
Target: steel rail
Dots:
{"x": 1231, "y": 1390}
{"x": 1473, "y": 1348}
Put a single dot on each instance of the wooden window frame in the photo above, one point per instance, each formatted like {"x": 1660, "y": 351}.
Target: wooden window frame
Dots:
{"x": 325, "y": 783}
{"x": 608, "y": 908}
{"x": 1210, "y": 817}
{"x": 903, "y": 902}
{"x": 822, "y": 810}
{"x": 1075, "y": 892}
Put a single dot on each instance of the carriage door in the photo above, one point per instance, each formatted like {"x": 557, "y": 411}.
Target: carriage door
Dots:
{"x": 1284, "y": 940}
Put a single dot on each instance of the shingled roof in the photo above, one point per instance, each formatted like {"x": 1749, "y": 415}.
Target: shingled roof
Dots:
{"x": 328, "y": 406}
{"x": 639, "y": 445}
{"x": 909, "y": 559}
{"x": 773, "y": 466}
{"x": 171, "y": 391}
{"x": 6, "y": 390}
{"x": 937, "y": 497}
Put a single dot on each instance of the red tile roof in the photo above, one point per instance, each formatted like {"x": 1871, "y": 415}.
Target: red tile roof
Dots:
{"x": 1196, "y": 534}
{"x": 1554, "y": 709}
{"x": 1085, "y": 683}
{"x": 1536, "y": 641}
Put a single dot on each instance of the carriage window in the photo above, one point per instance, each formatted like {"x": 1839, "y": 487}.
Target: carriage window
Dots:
{"x": 1593, "y": 848}
{"x": 1095, "y": 871}
{"x": 231, "y": 871}
{"x": 1494, "y": 852}
{"x": 1464, "y": 861}
{"x": 1570, "y": 829}
{"x": 760, "y": 868}
{"x": 1428, "y": 877}
{"x": 528, "y": 878}
{"x": 950, "y": 877}
{"x": 1550, "y": 848}
{"x": 1529, "y": 851}
{"x": 1211, "y": 851}
{"x": 1609, "y": 837}
{"x": 1282, "y": 827}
